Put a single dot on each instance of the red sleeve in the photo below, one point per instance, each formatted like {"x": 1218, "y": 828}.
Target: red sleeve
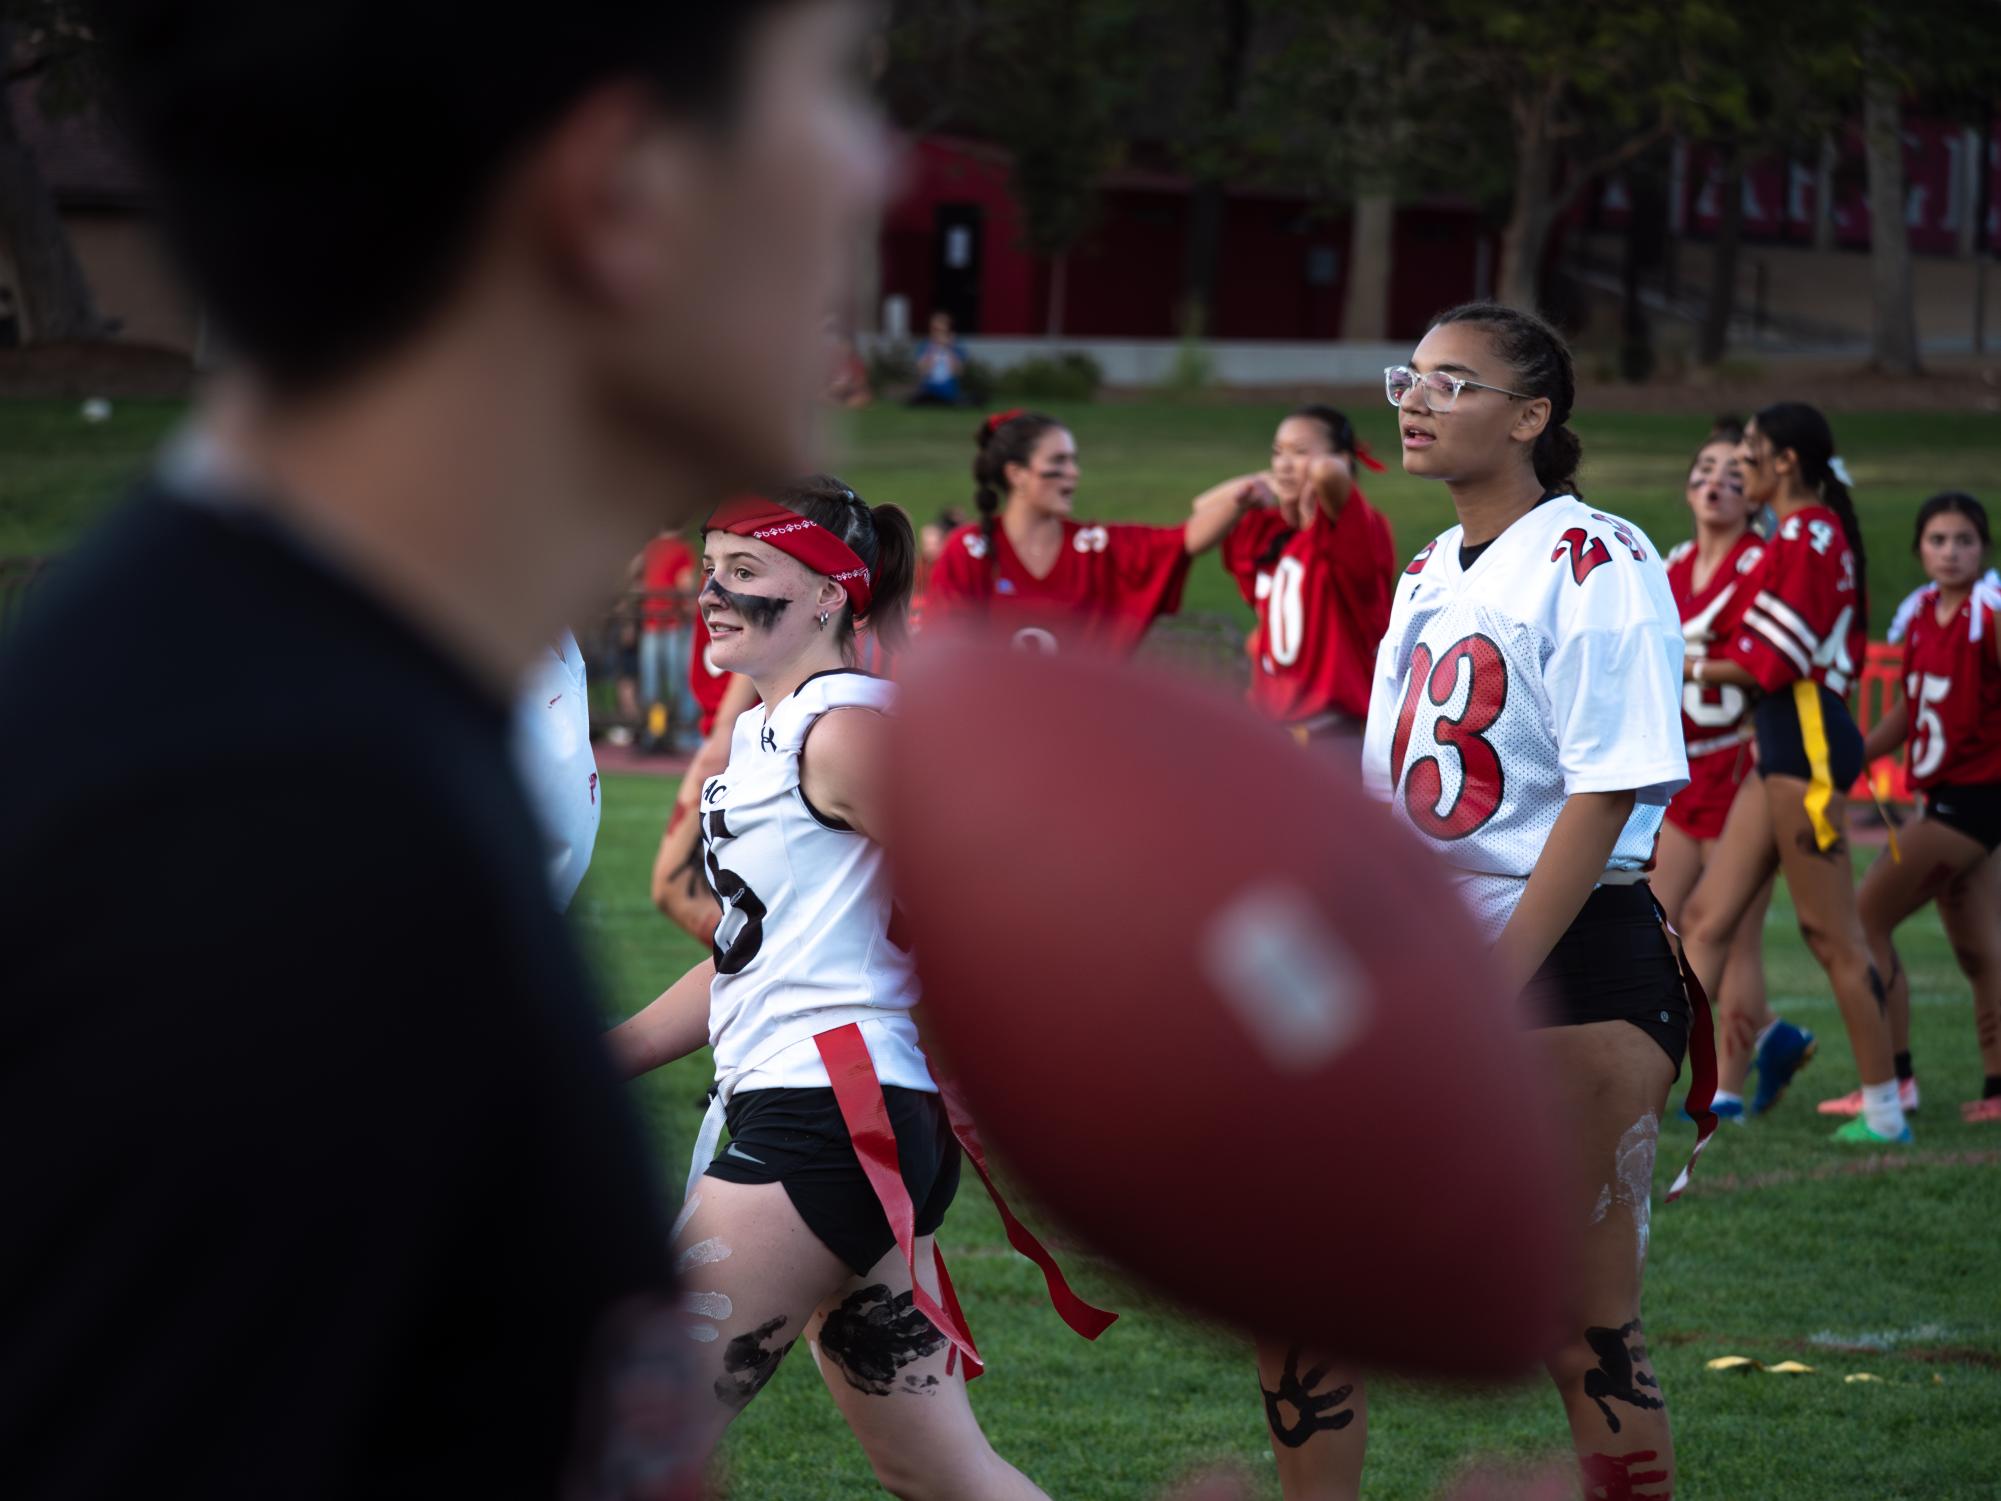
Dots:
{"x": 1149, "y": 568}
{"x": 1777, "y": 615}
{"x": 958, "y": 579}
{"x": 1364, "y": 557}
{"x": 1245, "y": 543}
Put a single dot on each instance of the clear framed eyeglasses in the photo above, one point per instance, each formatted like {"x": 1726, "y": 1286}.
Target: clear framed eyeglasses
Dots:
{"x": 1440, "y": 390}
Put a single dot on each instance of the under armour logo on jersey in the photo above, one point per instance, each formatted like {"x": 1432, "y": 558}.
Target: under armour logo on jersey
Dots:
{"x": 1091, "y": 539}
{"x": 767, "y": 739}
{"x": 1423, "y": 556}
{"x": 1586, "y": 552}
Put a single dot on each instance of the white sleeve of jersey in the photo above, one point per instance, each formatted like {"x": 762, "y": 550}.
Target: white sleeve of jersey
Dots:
{"x": 1382, "y": 724}
{"x": 1614, "y": 681}
{"x": 1900, "y": 623}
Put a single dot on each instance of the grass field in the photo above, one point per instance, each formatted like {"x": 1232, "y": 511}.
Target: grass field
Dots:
{"x": 1783, "y": 1248}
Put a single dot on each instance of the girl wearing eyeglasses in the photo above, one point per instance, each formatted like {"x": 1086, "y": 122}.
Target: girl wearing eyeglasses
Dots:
{"x": 1525, "y": 725}
{"x": 1317, "y": 563}
{"x": 1705, "y": 574}
{"x": 1794, "y": 633}
{"x": 1054, "y": 583}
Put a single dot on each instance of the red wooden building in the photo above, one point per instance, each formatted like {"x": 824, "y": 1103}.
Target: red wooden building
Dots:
{"x": 952, "y": 240}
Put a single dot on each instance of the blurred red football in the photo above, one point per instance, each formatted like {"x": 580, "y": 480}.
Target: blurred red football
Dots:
{"x": 1220, "y": 1015}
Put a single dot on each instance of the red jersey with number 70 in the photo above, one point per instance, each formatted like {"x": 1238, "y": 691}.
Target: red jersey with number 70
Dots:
{"x": 1548, "y": 665}
{"x": 1322, "y": 596}
{"x": 1108, "y": 584}
{"x": 1799, "y": 613}
{"x": 1952, "y": 687}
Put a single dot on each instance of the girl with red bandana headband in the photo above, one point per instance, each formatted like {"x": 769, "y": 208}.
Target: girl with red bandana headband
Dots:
{"x": 1054, "y": 583}
{"x": 818, "y": 1218}
{"x": 1317, "y": 563}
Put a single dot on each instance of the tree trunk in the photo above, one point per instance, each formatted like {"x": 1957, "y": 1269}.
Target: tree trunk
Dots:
{"x": 1714, "y": 341}
{"x": 1527, "y": 235}
{"x": 1644, "y": 243}
{"x": 1204, "y": 254}
{"x": 1365, "y": 303}
{"x": 55, "y": 296}
{"x": 1823, "y": 195}
{"x": 1207, "y": 206}
{"x": 1059, "y": 269}
{"x": 1894, "y": 333}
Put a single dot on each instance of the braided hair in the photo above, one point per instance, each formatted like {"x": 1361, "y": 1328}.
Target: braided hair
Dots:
{"x": 879, "y": 535}
{"x": 1797, "y": 426}
{"x": 1003, "y": 439}
{"x": 1541, "y": 362}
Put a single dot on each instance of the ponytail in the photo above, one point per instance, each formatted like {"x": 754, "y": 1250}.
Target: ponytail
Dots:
{"x": 1801, "y": 428}
{"x": 1003, "y": 439}
{"x": 880, "y": 536}
{"x": 1542, "y": 365}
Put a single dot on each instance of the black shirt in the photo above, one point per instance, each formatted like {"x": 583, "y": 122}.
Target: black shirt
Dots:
{"x": 315, "y": 1178}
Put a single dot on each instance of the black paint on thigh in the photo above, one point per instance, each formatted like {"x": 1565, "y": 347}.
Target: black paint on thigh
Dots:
{"x": 749, "y": 1361}
{"x": 873, "y": 1336}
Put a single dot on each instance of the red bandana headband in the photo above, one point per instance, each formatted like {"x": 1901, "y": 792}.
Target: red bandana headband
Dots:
{"x": 792, "y": 534}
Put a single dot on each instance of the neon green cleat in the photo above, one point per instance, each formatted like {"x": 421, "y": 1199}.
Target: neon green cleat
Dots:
{"x": 1857, "y": 1134}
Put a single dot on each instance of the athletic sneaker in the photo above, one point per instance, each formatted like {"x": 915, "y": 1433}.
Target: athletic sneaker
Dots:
{"x": 1851, "y": 1104}
{"x": 1783, "y": 1051}
{"x": 1857, "y": 1134}
{"x": 1975, "y": 1111}
{"x": 1724, "y": 1110}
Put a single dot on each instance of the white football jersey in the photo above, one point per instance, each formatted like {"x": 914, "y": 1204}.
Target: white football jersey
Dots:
{"x": 1551, "y": 666}
{"x": 552, "y": 751}
{"x": 807, "y": 940}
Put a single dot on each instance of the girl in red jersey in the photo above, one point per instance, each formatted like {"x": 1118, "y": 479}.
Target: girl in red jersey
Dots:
{"x": 1715, "y": 724}
{"x": 1052, "y": 582}
{"x": 1794, "y": 632}
{"x": 1952, "y": 689}
{"x": 1317, "y": 563}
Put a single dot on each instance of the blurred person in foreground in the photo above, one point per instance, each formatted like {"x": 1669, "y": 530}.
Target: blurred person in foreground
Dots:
{"x": 318, "y": 1179}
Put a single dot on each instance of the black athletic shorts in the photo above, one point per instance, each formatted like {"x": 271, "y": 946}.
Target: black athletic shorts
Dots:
{"x": 1973, "y": 810}
{"x": 797, "y": 1137}
{"x": 1614, "y": 964}
{"x": 1782, "y": 750}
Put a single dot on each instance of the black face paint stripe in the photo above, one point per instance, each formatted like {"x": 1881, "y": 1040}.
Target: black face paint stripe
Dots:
{"x": 759, "y": 611}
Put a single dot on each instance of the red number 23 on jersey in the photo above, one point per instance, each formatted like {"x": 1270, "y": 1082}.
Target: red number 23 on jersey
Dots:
{"x": 1480, "y": 780}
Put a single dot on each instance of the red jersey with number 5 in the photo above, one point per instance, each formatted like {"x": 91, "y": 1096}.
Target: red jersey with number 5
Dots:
{"x": 1322, "y": 596}
{"x": 1548, "y": 665}
{"x": 1952, "y": 685}
{"x": 1799, "y": 613}
{"x": 1108, "y": 584}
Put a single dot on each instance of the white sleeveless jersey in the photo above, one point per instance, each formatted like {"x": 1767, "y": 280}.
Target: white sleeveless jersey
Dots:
{"x": 1551, "y": 666}
{"x": 552, "y": 752}
{"x": 806, "y": 939}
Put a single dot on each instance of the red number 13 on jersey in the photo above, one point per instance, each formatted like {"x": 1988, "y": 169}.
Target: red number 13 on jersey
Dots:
{"x": 1480, "y": 778}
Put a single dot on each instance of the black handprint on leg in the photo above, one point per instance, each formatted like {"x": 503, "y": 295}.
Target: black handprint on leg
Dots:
{"x": 1317, "y": 1413}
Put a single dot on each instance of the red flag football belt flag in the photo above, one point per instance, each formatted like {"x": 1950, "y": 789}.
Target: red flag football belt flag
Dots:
{"x": 858, "y": 1093}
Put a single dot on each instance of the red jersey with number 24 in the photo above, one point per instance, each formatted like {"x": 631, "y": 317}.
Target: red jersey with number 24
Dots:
{"x": 1550, "y": 666}
{"x": 1322, "y": 594}
{"x": 1107, "y": 586}
{"x": 1952, "y": 684}
{"x": 1798, "y": 614}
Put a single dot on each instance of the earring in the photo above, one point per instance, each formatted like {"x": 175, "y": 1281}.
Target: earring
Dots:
{"x": 824, "y": 617}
